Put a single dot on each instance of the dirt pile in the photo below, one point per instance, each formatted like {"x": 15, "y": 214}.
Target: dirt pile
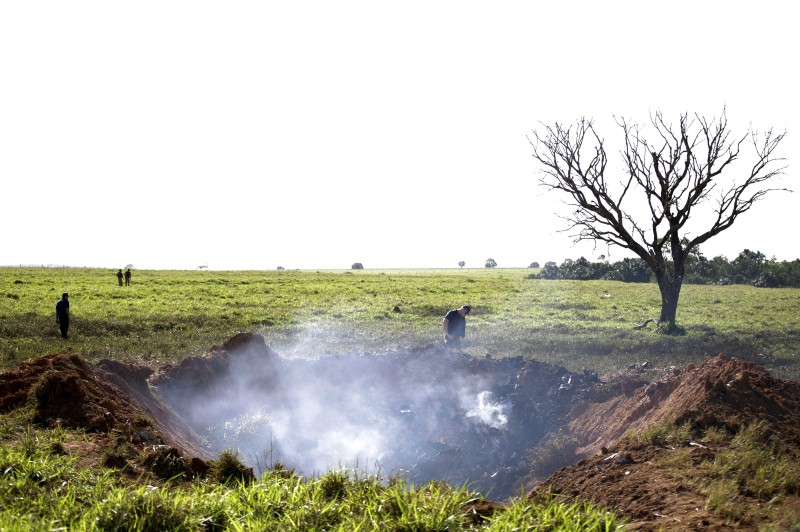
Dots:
{"x": 105, "y": 398}
{"x": 722, "y": 392}
{"x": 649, "y": 482}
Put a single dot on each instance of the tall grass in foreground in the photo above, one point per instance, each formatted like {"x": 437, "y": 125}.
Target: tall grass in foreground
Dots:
{"x": 44, "y": 491}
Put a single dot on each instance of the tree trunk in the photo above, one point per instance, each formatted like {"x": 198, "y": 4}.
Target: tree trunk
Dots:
{"x": 670, "y": 287}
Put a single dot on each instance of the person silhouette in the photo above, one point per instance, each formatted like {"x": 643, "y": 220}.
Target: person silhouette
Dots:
{"x": 62, "y": 315}
{"x": 119, "y": 276}
{"x": 128, "y": 277}
{"x": 455, "y": 326}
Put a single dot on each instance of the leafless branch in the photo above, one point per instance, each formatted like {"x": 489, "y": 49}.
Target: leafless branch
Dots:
{"x": 675, "y": 176}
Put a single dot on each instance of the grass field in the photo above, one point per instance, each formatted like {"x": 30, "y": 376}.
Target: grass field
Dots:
{"x": 167, "y": 315}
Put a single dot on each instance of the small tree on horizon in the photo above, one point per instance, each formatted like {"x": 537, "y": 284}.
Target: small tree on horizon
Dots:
{"x": 491, "y": 263}
{"x": 357, "y": 266}
{"x": 461, "y": 264}
{"x": 668, "y": 179}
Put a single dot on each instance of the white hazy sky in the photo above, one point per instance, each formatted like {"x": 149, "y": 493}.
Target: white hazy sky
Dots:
{"x": 315, "y": 134}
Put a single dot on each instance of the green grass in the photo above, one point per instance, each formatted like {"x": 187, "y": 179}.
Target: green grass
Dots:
{"x": 760, "y": 465}
{"x": 167, "y": 315}
{"x": 748, "y": 478}
{"x": 40, "y": 490}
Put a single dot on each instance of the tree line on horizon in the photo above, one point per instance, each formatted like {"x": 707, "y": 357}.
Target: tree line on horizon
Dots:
{"x": 749, "y": 267}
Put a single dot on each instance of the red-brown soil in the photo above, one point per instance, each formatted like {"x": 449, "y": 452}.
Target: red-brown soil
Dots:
{"x": 641, "y": 482}
{"x": 162, "y": 411}
{"x": 105, "y": 399}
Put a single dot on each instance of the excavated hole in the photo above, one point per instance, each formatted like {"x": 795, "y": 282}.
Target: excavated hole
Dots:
{"x": 423, "y": 414}
{"x": 499, "y": 426}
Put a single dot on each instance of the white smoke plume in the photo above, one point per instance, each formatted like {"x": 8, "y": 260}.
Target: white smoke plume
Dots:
{"x": 429, "y": 413}
{"x": 488, "y": 412}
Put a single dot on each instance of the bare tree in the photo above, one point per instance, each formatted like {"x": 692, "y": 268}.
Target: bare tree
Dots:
{"x": 663, "y": 185}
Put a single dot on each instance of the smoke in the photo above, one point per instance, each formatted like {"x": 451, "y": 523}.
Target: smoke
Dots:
{"x": 488, "y": 412}
{"x": 427, "y": 413}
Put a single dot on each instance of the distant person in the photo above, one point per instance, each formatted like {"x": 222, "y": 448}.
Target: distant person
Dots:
{"x": 128, "y": 277}
{"x": 119, "y": 276}
{"x": 455, "y": 326}
{"x": 62, "y": 315}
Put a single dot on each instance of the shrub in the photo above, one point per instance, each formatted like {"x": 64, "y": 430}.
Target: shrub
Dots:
{"x": 228, "y": 469}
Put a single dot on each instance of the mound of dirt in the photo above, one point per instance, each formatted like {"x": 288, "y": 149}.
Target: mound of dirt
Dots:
{"x": 637, "y": 481}
{"x": 723, "y": 392}
{"x": 109, "y": 397}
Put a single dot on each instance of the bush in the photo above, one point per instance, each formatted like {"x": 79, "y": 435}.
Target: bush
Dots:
{"x": 228, "y": 469}
{"x": 629, "y": 271}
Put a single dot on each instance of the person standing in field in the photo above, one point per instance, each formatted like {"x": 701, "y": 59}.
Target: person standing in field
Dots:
{"x": 62, "y": 315}
{"x": 128, "y": 277}
{"x": 119, "y": 276}
{"x": 455, "y": 326}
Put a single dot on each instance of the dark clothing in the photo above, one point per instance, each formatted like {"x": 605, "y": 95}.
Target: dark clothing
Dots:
{"x": 127, "y": 277}
{"x": 454, "y": 343}
{"x": 64, "y": 326}
{"x": 62, "y": 309}
{"x": 119, "y": 277}
{"x": 456, "y": 325}
{"x": 62, "y": 317}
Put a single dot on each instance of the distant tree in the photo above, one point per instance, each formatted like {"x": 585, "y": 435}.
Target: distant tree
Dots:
{"x": 782, "y": 273}
{"x": 582, "y": 269}
{"x": 748, "y": 266}
{"x": 629, "y": 270}
{"x": 281, "y": 268}
{"x": 461, "y": 264}
{"x": 533, "y": 264}
{"x": 550, "y": 271}
{"x": 490, "y": 263}
{"x": 357, "y": 266}
{"x": 699, "y": 270}
{"x": 670, "y": 178}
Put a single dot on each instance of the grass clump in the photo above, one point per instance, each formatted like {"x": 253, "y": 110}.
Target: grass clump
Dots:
{"x": 724, "y": 499}
{"x": 759, "y": 464}
{"x": 228, "y": 469}
{"x": 142, "y": 508}
{"x": 547, "y": 512}
{"x": 554, "y": 452}
{"x": 662, "y": 434}
{"x": 166, "y": 463}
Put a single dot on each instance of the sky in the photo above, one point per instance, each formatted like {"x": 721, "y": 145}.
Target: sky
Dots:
{"x": 316, "y": 134}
